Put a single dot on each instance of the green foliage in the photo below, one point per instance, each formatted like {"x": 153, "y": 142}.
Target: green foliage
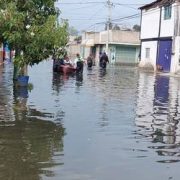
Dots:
{"x": 136, "y": 27}
{"x": 73, "y": 31}
{"x": 31, "y": 29}
{"x": 78, "y": 39}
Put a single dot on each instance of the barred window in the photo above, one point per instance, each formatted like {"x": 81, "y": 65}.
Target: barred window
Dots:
{"x": 147, "y": 53}
{"x": 167, "y": 12}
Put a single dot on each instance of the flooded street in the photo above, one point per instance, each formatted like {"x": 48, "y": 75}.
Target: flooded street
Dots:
{"x": 119, "y": 124}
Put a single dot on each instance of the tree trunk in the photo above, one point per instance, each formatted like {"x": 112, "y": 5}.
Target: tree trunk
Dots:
{"x": 16, "y": 68}
{"x": 15, "y": 74}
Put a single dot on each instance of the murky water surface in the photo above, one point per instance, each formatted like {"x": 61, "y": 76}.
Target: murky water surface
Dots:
{"x": 118, "y": 124}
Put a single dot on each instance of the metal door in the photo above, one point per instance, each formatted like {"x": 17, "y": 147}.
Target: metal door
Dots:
{"x": 164, "y": 56}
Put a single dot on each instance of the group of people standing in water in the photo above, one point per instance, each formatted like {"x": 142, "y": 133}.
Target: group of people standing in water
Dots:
{"x": 79, "y": 62}
{"x": 103, "y": 60}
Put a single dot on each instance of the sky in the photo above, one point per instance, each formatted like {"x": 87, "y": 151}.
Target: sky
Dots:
{"x": 91, "y": 15}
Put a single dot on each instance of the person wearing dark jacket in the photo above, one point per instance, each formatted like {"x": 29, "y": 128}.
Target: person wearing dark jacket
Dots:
{"x": 104, "y": 60}
{"x": 90, "y": 61}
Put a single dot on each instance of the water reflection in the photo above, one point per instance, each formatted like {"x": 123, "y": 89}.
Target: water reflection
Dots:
{"x": 158, "y": 114}
{"x": 6, "y": 113}
{"x": 102, "y": 72}
{"x": 28, "y": 142}
{"x": 58, "y": 81}
{"x": 79, "y": 80}
{"x": 71, "y": 127}
{"x": 27, "y": 148}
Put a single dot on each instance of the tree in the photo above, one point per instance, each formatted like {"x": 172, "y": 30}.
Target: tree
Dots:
{"x": 78, "y": 39}
{"x": 136, "y": 27}
{"x": 110, "y": 26}
{"x": 31, "y": 29}
{"x": 73, "y": 31}
{"x": 116, "y": 27}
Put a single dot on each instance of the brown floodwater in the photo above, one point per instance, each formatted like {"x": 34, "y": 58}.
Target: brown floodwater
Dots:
{"x": 121, "y": 123}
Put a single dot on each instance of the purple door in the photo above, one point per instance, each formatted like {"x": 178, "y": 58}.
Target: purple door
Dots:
{"x": 161, "y": 90}
{"x": 164, "y": 56}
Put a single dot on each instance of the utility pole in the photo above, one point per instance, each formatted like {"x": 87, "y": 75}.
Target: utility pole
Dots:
{"x": 109, "y": 5}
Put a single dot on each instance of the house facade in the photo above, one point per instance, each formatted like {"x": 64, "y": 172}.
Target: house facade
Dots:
{"x": 160, "y": 35}
{"x": 73, "y": 47}
{"x": 124, "y": 46}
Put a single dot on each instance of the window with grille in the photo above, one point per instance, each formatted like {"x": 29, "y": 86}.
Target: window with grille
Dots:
{"x": 167, "y": 12}
{"x": 147, "y": 53}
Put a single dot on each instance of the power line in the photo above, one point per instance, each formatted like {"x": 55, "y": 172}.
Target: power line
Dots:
{"x": 113, "y": 21}
{"x": 131, "y": 16}
{"x": 122, "y": 18}
{"x": 79, "y": 3}
{"x": 84, "y": 7}
{"x": 98, "y": 2}
{"x": 128, "y": 6}
{"x": 94, "y": 3}
{"x": 127, "y": 17}
{"x": 123, "y": 4}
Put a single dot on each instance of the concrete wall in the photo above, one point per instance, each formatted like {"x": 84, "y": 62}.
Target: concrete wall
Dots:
{"x": 127, "y": 39}
{"x": 167, "y": 26}
{"x": 153, "y": 53}
{"x": 86, "y": 51}
{"x": 175, "y": 61}
{"x": 150, "y": 23}
{"x": 73, "y": 49}
{"x": 120, "y": 37}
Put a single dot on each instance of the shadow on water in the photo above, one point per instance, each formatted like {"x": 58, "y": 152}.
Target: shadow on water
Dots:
{"x": 158, "y": 114}
{"x": 27, "y": 143}
{"x": 102, "y": 72}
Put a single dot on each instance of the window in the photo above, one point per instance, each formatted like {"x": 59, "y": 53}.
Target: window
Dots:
{"x": 167, "y": 12}
{"x": 147, "y": 53}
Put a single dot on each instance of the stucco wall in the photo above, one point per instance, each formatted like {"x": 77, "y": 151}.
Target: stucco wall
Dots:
{"x": 117, "y": 36}
{"x": 73, "y": 49}
{"x": 153, "y": 53}
{"x": 175, "y": 59}
{"x": 167, "y": 26}
{"x": 150, "y": 23}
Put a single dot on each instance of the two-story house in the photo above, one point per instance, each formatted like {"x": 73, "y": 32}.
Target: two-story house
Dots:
{"x": 160, "y": 35}
{"x": 124, "y": 46}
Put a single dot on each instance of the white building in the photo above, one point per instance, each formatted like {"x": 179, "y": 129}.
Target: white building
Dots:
{"x": 160, "y": 35}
